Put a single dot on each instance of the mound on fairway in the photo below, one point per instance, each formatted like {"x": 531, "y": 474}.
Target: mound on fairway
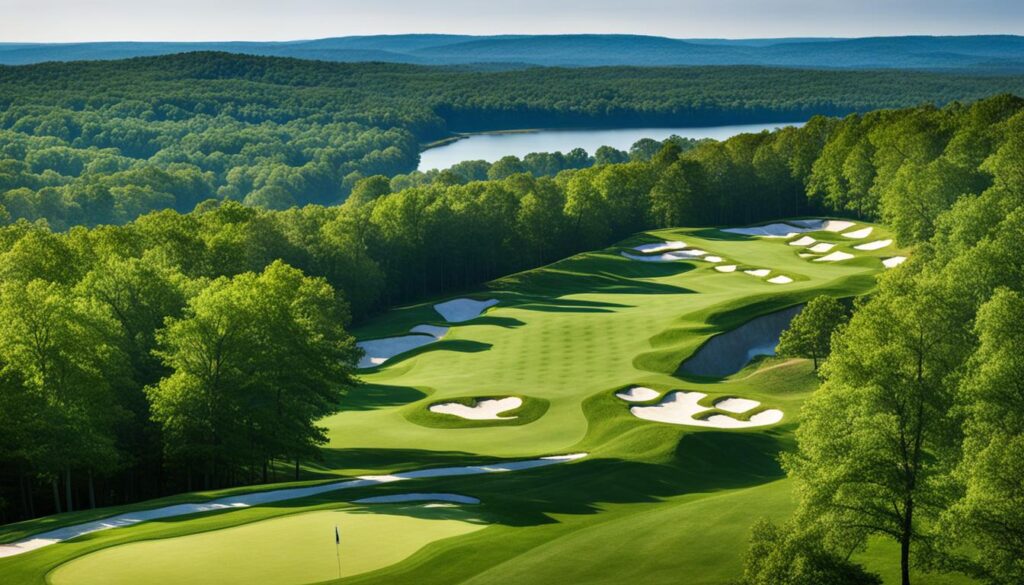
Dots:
{"x": 291, "y": 550}
{"x": 459, "y": 310}
{"x": 727, "y": 353}
{"x": 431, "y": 497}
{"x": 638, "y": 394}
{"x": 378, "y": 351}
{"x": 876, "y": 245}
{"x": 679, "y": 408}
{"x": 486, "y": 409}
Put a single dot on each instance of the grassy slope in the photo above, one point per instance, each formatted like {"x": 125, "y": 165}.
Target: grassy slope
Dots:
{"x": 652, "y": 502}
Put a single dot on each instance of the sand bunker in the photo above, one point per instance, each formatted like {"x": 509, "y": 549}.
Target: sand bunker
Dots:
{"x": 804, "y": 241}
{"x": 772, "y": 230}
{"x": 266, "y": 497}
{"x": 876, "y": 245}
{"x": 834, "y": 225}
{"x": 680, "y": 407}
{"x": 759, "y": 272}
{"x": 835, "y": 257}
{"x": 737, "y": 405}
{"x": 821, "y": 248}
{"x": 378, "y": 351}
{"x": 859, "y": 234}
{"x": 780, "y": 279}
{"x": 638, "y": 394}
{"x": 666, "y": 256}
{"x": 459, "y": 310}
{"x": 894, "y": 261}
{"x": 487, "y": 409}
{"x": 712, "y": 259}
{"x": 726, "y": 268}
{"x": 426, "y": 497}
{"x": 660, "y": 247}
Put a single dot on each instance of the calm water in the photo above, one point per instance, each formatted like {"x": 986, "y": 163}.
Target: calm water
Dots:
{"x": 491, "y": 147}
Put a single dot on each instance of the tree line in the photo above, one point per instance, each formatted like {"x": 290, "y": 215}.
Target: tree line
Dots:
{"x": 156, "y": 347}
{"x": 78, "y": 148}
{"x": 916, "y": 436}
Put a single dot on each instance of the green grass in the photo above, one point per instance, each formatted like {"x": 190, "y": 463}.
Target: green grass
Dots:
{"x": 652, "y": 503}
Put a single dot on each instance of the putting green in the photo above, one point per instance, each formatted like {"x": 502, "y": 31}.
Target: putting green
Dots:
{"x": 284, "y": 551}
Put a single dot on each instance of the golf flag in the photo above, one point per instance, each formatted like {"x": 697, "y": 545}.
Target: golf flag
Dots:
{"x": 337, "y": 536}
{"x": 337, "y": 548}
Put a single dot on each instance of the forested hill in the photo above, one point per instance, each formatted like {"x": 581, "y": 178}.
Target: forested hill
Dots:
{"x": 989, "y": 52}
{"x": 106, "y": 141}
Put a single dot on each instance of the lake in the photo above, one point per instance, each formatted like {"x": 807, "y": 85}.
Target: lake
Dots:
{"x": 492, "y": 146}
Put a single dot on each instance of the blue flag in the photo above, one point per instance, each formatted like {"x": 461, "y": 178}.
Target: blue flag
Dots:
{"x": 337, "y": 536}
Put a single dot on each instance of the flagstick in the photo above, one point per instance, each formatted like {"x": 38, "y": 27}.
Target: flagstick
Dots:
{"x": 337, "y": 550}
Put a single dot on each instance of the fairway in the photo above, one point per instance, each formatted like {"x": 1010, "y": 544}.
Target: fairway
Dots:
{"x": 562, "y": 353}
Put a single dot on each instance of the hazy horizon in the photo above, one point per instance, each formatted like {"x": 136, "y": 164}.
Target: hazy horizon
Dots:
{"x": 67, "y": 21}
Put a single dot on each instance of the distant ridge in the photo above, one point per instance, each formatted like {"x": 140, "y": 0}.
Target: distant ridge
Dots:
{"x": 982, "y": 53}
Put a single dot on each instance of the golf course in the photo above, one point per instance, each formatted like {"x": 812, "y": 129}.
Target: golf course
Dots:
{"x": 571, "y": 423}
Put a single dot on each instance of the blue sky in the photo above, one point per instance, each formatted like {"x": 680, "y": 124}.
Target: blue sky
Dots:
{"x": 84, "y": 20}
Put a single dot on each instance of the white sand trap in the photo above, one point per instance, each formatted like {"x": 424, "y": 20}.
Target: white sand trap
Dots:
{"x": 821, "y": 248}
{"x": 859, "y": 234}
{"x": 737, "y": 405}
{"x": 835, "y": 257}
{"x": 487, "y": 409}
{"x": 772, "y": 230}
{"x": 806, "y": 255}
{"x": 876, "y": 245}
{"x": 894, "y": 261}
{"x": 425, "y": 497}
{"x": 638, "y": 394}
{"x": 726, "y": 268}
{"x": 804, "y": 241}
{"x": 759, "y": 272}
{"x": 378, "y": 351}
{"x": 712, "y": 259}
{"x": 666, "y": 257}
{"x": 780, "y": 279}
{"x": 459, "y": 310}
{"x": 691, "y": 252}
{"x": 835, "y": 225}
{"x": 660, "y": 247}
{"x": 679, "y": 407}
{"x": 43, "y": 539}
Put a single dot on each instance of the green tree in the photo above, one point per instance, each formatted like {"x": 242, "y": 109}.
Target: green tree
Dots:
{"x": 810, "y": 332}
{"x": 989, "y": 515}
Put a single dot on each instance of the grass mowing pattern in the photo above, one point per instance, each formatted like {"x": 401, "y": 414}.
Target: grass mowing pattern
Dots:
{"x": 653, "y": 503}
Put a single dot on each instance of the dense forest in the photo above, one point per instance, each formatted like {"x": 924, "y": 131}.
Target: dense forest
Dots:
{"x": 91, "y": 143}
{"x": 125, "y": 337}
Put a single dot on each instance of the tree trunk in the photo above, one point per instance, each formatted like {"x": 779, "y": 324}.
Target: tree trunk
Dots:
{"x": 67, "y": 490}
{"x": 905, "y": 543}
{"x": 56, "y": 496}
{"x": 92, "y": 492}
{"x": 296, "y": 468}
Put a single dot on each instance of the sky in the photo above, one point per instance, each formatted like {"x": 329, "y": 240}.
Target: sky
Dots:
{"x": 270, "y": 20}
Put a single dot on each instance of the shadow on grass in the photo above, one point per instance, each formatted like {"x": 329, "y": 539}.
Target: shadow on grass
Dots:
{"x": 374, "y": 396}
{"x": 703, "y": 462}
